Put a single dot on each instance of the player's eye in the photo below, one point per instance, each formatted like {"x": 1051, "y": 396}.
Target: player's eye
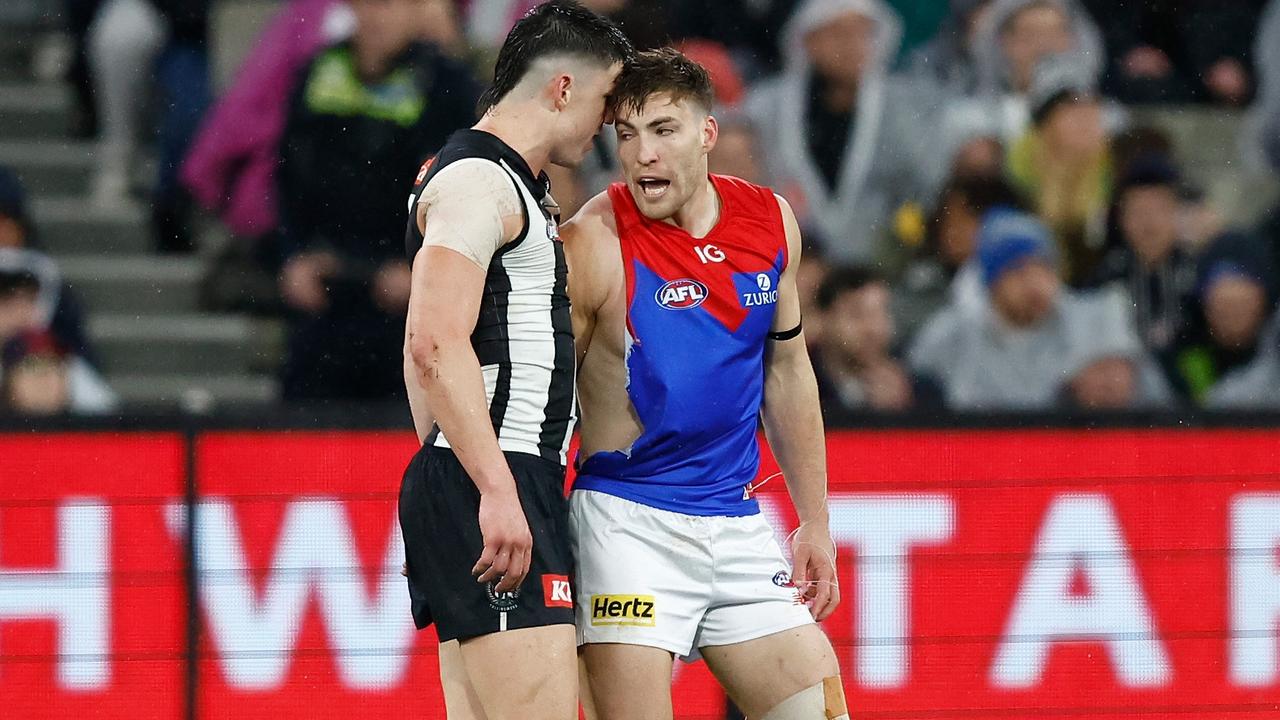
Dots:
{"x": 663, "y": 132}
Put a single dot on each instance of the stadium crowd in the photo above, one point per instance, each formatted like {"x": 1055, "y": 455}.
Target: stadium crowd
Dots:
{"x": 988, "y": 227}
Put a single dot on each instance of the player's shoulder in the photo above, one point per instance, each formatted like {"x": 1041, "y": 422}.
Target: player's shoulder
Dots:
{"x": 594, "y": 223}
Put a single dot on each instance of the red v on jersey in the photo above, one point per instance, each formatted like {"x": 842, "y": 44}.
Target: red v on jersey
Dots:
{"x": 748, "y": 240}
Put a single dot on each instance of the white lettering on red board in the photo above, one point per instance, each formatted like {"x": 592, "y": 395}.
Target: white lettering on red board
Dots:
{"x": 1081, "y": 537}
{"x": 1254, "y": 588}
{"x": 254, "y": 627}
{"x": 75, "y": 594}
{"x": 257, "y": 632}
{"x": 882, "y": 530}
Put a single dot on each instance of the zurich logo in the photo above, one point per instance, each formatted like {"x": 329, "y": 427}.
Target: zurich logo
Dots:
{"x": 681, "y": 294}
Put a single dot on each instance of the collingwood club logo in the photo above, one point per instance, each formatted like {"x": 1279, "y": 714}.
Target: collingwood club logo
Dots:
{"x": 502, "y": 601}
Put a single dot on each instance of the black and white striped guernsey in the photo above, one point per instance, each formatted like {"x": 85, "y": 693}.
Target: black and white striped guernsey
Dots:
{"x": 523, "y": 336}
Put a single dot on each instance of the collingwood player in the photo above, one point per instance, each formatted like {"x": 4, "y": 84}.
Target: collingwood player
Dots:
{"x": 489, "y": 367}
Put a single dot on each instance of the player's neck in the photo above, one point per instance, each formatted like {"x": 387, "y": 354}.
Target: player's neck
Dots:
{"x": 528, "y": 139}
{"x": 700, "y": 213}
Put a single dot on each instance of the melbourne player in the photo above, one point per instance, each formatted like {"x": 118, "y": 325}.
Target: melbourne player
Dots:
{"x": 687, "y": 324}
{"x": 489, "y": 366}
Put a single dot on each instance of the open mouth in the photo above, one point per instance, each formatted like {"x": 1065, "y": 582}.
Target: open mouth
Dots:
{"x": 653, "y": 187}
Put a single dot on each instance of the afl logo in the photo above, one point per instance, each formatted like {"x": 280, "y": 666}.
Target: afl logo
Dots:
{"x": 682, "y": 294}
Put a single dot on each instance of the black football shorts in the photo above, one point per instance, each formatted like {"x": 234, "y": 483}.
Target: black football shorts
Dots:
{"x": 439, "y": 506}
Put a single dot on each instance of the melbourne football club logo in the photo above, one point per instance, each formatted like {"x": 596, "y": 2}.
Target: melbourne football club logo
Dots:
{"x": 503, "y": 601}
{"x": 683, "y": 294}
{"x": 783, "y": 579}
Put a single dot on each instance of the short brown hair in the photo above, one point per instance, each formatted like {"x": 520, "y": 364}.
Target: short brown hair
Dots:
{"x": 663, "y": 70}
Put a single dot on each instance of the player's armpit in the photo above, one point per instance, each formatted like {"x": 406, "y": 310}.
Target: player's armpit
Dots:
{"x": 471, "y": 207}
{"x": 589, "y": 238}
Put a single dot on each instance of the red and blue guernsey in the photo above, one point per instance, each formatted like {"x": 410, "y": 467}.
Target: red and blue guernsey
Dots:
{"x": 699, "y": 311}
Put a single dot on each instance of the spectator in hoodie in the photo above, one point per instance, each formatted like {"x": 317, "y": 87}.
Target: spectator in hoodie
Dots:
{"x": 1178, "y": 51}
{"x": 855, "y": 362}
{"x": 1011, "y": 39}
{"x": 1232, "y": 363}
{"x": 1031, "y": 345}
{"x": 842, "y": 140}
{"x": 1150, "y": 261}
{"x": 1062, "y": 164}
{"x": 949, "y": 58}
{"x": 20, "y": 253}
{"x": 363, "y": 115}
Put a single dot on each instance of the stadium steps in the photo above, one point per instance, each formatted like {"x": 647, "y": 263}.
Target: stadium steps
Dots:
{"x": 194, "y": 391}
{"x": 50, "y": 167}
{"x": 138, "y": 284}
{"x": 70, "y": 225}
{"x": 34, "y": 110}
{"x": 185, "y": 344}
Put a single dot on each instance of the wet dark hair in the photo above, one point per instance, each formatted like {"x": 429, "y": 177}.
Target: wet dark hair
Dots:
{"x": 662, "y": 70}
{"x": 841, "y": 280}
{"x": 559, "y": 27}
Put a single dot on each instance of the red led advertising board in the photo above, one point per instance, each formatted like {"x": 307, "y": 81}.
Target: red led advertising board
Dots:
{"x": 92, "y": 599}
{"x": 985, "y": 574}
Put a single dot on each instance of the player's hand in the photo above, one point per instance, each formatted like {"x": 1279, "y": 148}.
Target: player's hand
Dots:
{"x": 508, "y": 544}
{"x": 814, "y": 556}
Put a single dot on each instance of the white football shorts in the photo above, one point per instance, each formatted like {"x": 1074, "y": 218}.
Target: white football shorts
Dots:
{"x": 678, "y": 582}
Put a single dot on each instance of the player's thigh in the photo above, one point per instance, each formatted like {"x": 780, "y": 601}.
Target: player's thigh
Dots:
{"x": 629, "y": 682}
{"x": 460, "y": 699}
{"x": 524, "y": 673}
{"x": 758, "y": 674}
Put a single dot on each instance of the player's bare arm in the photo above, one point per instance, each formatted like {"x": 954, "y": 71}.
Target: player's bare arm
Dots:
{"x": 584, "y": 235}
{"x": 597, "y": 288}
{"x": 466, "y": 214}
{"x": 793, "y": 426}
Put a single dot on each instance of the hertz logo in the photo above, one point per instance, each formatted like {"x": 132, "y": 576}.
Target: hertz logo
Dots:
{"x": 636, "y": 610}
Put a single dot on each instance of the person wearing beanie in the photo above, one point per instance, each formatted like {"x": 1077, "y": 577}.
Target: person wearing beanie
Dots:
{"x": 1031, "y": 345}
{"x": 1228, "y": 362}
{"x": 1062, "y": 164}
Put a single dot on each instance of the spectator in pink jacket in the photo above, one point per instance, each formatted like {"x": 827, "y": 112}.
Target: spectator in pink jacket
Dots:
{"x": 231, "y": 167}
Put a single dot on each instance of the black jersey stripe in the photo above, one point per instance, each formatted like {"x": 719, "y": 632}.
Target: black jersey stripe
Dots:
{"x": 560, "y": 395}
{"x": 497, "y": 349}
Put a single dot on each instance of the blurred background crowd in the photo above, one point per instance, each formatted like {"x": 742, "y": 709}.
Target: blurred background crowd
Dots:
{"x": 1008, "y": 204}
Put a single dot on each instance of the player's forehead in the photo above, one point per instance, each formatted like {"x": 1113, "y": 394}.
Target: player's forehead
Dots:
{"x": 657, "y": 107}
{"x": 599, "y": 76}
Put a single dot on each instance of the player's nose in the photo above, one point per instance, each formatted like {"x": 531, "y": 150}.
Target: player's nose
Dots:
{"x": 648, "y": 153}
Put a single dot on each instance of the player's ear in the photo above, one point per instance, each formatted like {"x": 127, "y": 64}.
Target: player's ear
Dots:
{"x": 560, "y": 88}
{"x": 710, "y": 133}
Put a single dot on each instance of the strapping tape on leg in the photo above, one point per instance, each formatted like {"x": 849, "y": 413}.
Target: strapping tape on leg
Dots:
{"x": 821, "y": 701}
